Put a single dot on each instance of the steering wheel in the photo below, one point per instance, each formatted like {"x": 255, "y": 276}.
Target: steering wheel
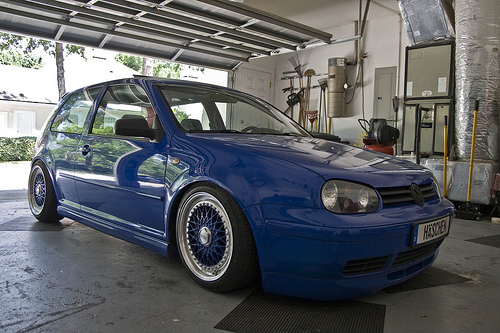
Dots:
{"x": 248, "y": 129}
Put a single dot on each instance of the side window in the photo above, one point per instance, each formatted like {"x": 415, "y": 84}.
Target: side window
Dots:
{"x": 72, "y": 115}
{"x": 122, "y": 101}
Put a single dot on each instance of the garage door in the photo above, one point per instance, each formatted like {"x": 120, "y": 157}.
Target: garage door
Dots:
{"x": 207, "y": 33}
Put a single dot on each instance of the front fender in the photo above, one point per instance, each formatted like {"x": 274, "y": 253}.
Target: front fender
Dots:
{"x": 249, "y": 177}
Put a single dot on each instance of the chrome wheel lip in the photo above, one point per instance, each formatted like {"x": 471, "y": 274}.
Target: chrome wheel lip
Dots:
{"x": 205, "y": 234}
{"x": 37, "y": 190}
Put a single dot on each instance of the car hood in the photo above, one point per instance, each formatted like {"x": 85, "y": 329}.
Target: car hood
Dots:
{"x": 332, "y": 160}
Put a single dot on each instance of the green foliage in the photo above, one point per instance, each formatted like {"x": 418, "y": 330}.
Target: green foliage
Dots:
{"x": 108, "y": 130}
{"x": 27, "y": 45}
{"x": 7, "y": 41}
{"x": 16, "y": 149}
{"x": 179, "y": 114}
{"x": 130, "y": 61}
{"x": 74, "y": 49}
{"x": 168, "y": 70}
{"x": 15, "y": 58}
{"x": 161, "y": 68}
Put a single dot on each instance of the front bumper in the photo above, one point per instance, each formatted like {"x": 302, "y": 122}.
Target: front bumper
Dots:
{"x": 345, "y": 257}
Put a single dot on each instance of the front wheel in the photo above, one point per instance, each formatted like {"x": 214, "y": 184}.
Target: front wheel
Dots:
{"x": 41, "y": 196}
{"x": 215, "y": 240}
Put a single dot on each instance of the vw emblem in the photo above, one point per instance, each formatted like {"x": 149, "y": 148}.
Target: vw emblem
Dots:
{"x": 417, "y": 195}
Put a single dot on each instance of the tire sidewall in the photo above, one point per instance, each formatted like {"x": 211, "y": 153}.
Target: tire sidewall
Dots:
{"x": 49, "y": 211}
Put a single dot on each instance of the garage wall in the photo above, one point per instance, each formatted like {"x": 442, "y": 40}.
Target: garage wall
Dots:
{"x": 381, "y": 42}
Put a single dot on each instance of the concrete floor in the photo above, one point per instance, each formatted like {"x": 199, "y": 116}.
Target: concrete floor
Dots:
{"x": 70, "y": 278}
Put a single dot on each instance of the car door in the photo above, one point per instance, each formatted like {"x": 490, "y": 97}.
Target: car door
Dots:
{"x": 65, "y": 133}
{"x": 120, "y": 179}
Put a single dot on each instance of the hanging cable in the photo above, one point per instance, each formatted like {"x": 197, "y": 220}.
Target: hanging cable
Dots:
{"x": 362, "y": 88}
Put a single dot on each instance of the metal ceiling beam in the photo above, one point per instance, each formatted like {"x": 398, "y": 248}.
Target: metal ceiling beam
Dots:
{"x": 195, "y": 23}
{"x": 104, "y": 40}
{"x": 117, "y": 33}
{"x": 210, "y": 32}
{"x": 160, "y": 55}
{"x": 170, "y": 32}
{"x": 267, "y": 44}
{"x": 213, "y": 16}
{"x": 270, "y": 18}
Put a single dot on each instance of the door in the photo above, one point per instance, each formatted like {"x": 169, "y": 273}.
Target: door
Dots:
{"x": 120, "y": 179}
{"x": 384, "y": 92}
{"x": 24, "y": 122}
{"x": 3, "y": 123}
{"x": 256, "y": 83}
{"x": 65, "y": 133}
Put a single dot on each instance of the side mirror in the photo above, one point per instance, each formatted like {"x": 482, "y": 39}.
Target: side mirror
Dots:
{"x": 136, "y": 126}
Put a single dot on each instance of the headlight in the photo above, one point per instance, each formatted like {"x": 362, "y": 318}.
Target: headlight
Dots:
{"x": 344, "y": 197}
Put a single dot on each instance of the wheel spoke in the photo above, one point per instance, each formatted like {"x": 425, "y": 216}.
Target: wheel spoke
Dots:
{"x": 37, "y": 190}
{"x": 208, "y": 255}
{"x": 208, "y": 240}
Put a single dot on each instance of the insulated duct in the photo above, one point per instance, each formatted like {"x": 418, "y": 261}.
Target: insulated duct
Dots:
{"x": 427, "y": 21}
{"x": 477, "y": 77}
{"x": 336, "y": 90}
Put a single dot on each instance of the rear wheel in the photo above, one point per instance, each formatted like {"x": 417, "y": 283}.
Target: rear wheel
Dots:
{"x": 41, "y": 196}
{"x": 215, "y": 240}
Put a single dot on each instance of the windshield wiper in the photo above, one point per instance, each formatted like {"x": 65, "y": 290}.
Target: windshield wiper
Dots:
{"x": 254, "y": 133}
{"x": 222, "y": 131}
{"x": 228, "y": 131}
{"x": 286, "y": 134}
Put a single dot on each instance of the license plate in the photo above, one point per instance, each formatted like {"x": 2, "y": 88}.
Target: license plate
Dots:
{"x": 430, "y": 231}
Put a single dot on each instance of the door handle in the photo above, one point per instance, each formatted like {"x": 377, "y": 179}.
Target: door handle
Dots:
{"x": 85, "y": 150}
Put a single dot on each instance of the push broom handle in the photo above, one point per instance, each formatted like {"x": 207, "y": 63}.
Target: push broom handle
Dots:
{"x": 471, "y": 164}
{"x": 445, "y": 187}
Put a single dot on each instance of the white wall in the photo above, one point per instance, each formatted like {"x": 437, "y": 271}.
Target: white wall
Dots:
{"x": 382, "y": 43}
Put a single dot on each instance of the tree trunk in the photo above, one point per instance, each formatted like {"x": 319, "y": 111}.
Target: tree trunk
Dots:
{"x": 147, "y": 66}
{"x": 61, "y": 82}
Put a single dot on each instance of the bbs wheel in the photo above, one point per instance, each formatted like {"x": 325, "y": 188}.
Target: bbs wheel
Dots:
{"x": 215, "y": 241}
{"x": 41, "y": 196}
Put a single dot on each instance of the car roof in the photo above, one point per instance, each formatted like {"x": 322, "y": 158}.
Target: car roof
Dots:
{"x": 153, "y": 79}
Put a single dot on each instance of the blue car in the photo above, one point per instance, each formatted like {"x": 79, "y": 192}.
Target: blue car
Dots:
{"x": 235, "y": 188}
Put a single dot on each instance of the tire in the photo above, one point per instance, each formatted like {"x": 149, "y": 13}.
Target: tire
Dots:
{"x": 215, "y": 241}
{"x": 41, "y": 196}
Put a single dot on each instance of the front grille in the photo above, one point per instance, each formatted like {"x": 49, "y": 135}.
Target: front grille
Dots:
{"x": 365, "y": 266}
{"x": 401, "y": 195}
{"x": 407, "y": 257}
{"x": 377, "y": 264}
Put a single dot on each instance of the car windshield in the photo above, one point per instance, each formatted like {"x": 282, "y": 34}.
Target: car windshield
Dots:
{"x": 213, "y": 110}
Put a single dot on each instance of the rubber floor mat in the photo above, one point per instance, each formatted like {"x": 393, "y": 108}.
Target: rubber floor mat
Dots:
{"x": 431, "y": 277}
{"x": 266, "y": 313}
{"x": 490, "y": 240}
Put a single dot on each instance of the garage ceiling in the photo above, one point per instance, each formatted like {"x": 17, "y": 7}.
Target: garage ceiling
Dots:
{"x": 326, "y": 14}
{"x": 209, "y": 33}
